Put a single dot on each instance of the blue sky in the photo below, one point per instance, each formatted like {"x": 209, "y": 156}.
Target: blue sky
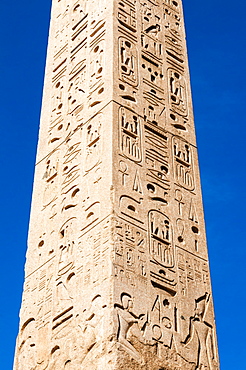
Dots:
{"x": 216, "y": 43}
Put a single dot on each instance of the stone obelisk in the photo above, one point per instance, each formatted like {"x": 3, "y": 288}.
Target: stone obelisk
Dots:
{"x": 117, "y": 273}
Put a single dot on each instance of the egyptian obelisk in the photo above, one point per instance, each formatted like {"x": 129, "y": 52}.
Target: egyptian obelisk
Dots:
{"x": 117, "y": 273}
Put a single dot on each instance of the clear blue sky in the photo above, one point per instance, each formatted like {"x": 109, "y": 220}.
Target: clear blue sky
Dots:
{"x": 216, "y": 41}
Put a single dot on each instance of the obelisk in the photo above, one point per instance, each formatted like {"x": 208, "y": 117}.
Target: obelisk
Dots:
{"x": 117, "y": 273}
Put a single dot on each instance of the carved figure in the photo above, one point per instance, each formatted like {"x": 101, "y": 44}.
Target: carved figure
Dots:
{"x": 126, "y": 320}
{"x": 200, "y": 337}
{"x": 92, "y": 332}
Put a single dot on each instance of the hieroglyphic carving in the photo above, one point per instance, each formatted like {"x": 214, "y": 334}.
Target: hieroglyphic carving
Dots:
{"x": 187, "y": 222}
{"x": 157, "y": 161}
{"x": 132, "y": 208}
{"x": 93, "y": 142}
{"x": 59, "y": 83}
{"x": 151, "y": 63}
{"x": 161, "y": 251}
{"x": 152, "y": 73}
{"x": 93, "y": 251}
{"x": 154, "y": 110}
{"x": 97, "y": 64}
{"x": 120, "y": 235}
{"x": 163, "y": 319}
{"x": 71, "y": 172}
{"x": 123, "y": 170}
{"x": 77, "y": 90}
{"x": 128, "y": 61}
{"x": 130, "y": 135}
{"x": 128, "y": 57}
{"x": 50, "y": 177}
{"x": 130, "y": 253}
{"x": 178, "y": 97}
{"x": 183, "y": 163}
{"x": 79, "y": 11}
{"x": 65, "y": 279}
{"x": 153, "y": 93}
{"x": 192, "y": 271}
{"x": 78, "y": 35}
{"x": 132, "y": 180}
{"x": 173, "y": 37}
{"x": 151, "y": 30}
{"x": 176, "y": 80}
{"x": 127, "y": 14}
{"x": 161, "y": 248}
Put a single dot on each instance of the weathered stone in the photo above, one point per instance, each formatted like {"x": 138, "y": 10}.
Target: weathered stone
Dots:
{"x": 117, "y": 273}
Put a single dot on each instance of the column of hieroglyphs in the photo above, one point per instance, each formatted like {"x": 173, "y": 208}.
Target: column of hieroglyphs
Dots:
{"x": 68, "y": 258}
{"x": 117, "y": 273}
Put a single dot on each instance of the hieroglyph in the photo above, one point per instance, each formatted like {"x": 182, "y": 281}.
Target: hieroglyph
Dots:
{"x": 117, "y": 273}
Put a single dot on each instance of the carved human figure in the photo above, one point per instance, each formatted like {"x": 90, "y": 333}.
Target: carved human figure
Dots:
{"x": 92, "y": 332}
{"x": 200, "y": 337}
{"x": 126, "y": 320}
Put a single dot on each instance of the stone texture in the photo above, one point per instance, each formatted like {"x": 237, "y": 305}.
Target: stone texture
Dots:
{"x": 117, "y": 273}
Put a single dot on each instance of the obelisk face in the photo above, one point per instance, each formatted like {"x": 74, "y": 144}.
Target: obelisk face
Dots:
{"x": 117, "y": 272}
